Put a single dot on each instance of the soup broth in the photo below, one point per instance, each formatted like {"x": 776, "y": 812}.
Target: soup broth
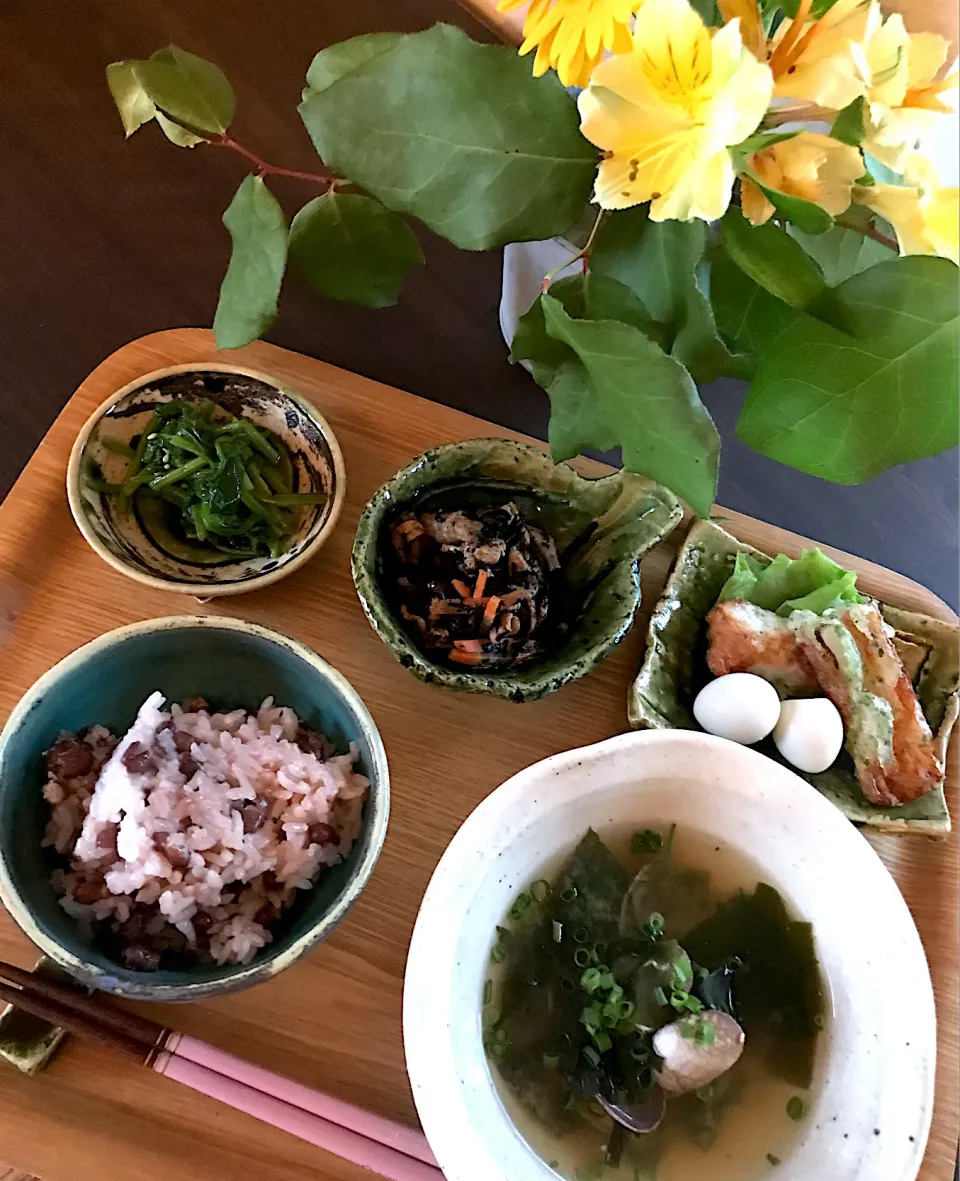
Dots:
{"x": 748, "y": 956}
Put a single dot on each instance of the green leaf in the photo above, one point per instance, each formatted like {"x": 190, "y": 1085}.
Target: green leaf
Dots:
{"x": 248, "y": 296}
{"x": 644, "y": 399}
{"x": 842, "y": 252}
{"x": 766, "y": 139}
{"x": 460, "y": 135}
{"x": 818, "y": 9}
{"x": 850, "y": 125}
{"x": 804, "y": 214}
{"x": 178, "y": 135}
{"x": 351, "y": 247}
{"x": 748, "y": 316}
{"x": 708, "y": 12}
{"x": 188, "y": 88}
{"x": 659, "y": 261}
{"x": 771, "y": 258}
{"x": 134, "y": 104}
{"x": 585, "y": 297}
{"x": 574, "y": 423}
{"x": 848, "y": 406}
{"x": 331, "y": 64}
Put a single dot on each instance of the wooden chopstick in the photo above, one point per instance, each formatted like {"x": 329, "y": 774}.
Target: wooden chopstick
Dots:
{"x": 79, "y": 1023}
{"x": 126, "y": 1024}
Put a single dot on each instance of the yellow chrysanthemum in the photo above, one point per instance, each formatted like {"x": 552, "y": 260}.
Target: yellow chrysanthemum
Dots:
{"x": 822, "y": 61}
{"x": 572, "y": 36}
{"x": 904, "y": 96}
{"x": 666, "y": 113}
{"x": 812, "y": 166}
{"x": 925, "y": 218}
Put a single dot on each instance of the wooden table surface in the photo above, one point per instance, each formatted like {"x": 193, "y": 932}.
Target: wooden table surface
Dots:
{"x": 103, "y": 241}
{"x": 333, "y": 1020}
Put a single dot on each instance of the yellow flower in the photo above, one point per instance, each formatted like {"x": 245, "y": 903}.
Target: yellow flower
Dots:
{"x": 666, "y": 114}
{"x": 822, "y": 61}
{"x": 812, "y": 166}
{"x": 751, "y": 24}
{"x": 925, "y": 218}
{"x": 904, "y": 96}
{"x": 572, "y": 36}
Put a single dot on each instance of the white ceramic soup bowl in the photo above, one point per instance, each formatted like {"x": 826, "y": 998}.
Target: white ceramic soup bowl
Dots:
{"x": 872, "y": 1097}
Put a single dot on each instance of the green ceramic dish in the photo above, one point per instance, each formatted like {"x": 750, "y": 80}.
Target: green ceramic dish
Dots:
{"x": 632, "y": 515}
{"x": 674, "y": 670}
{"x": 232, "y": 663}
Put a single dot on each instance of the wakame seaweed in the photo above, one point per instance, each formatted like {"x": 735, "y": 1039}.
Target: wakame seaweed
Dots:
{"x": 776, "y": 986}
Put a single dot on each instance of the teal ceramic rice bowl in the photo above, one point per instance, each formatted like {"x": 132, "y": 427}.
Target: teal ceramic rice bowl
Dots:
{"x": 233, "y": 664}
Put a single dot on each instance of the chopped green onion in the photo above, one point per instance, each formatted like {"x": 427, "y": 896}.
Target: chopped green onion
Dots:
{"x": 568, "y": 894}
{"x": 601, "y": 1040}
{"x": 540, "y": 890}
{"x": 487, "y": 991}
{"x": 590, "y": 980}
{"x": 580, "y": 934}
{"x": 521, "y": 903}
{"x": 660, "y": 996}
{"x": 581, "y": 957}
{"x": 551, "y": 1061}
{"x": 591, "y": 1055}
{"x": 796, "y": 1108}
{"x": 499, "y": 953}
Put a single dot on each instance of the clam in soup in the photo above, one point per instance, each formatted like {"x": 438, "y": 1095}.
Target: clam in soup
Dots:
{"x": 652, "y": 1013}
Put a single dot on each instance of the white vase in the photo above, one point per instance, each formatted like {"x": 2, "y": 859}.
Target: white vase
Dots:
{"x": 524, "y": 267}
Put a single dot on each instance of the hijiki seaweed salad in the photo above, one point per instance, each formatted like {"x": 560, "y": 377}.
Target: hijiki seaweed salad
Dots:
{"x": 630, "y": 1014}
{"x": 480, "y": 586}
{"x": 209, "y": 478}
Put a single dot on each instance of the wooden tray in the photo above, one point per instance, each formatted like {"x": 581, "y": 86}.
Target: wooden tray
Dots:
{"x": 334, "y": 1020}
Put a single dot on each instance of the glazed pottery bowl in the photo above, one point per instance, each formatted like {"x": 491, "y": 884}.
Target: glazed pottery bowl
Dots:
{"x": 620, "y": 516}
{"x": 232, "y": 664}
{"x": 141, "y": 545}
{"x": 875, "y": 1059}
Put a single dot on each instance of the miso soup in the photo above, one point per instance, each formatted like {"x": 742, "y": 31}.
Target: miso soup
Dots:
{"x": 632, "y": 934}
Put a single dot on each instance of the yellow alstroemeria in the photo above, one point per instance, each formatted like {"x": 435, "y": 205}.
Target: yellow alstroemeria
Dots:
{"x": 925, "y": 218}
{"x": 904, "y": 95}
{"x": 751, "y": 24}
{"x": 812, "y": 166}
{"x": 822, "y": 61}
{"x": 572, "y": 36}
{"x": 666, "y": 114}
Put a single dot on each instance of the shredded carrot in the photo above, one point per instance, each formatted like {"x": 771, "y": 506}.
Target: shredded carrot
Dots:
{"x": 461, "y": 588}
{"x": 511, "y": 598}
{"x": 468, "y": 645}
{"x": 441, "y": 607}
{"x": 490, "y": 611}
{"x": 460, "y": 657}
{"x": 411, "y": 528}
{"x": 481, "y": 584}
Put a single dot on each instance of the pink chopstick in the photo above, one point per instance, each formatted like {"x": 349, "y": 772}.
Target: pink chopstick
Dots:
{"x": 409, "y": 1141}
{"x": 334, "y": 1138}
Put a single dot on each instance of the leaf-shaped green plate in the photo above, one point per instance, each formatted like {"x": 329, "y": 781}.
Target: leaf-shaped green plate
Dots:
{"x": 674, "y": 669}
{"x": 631, "y": 515}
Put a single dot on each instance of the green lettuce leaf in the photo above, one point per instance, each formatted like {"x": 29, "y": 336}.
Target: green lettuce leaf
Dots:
{"x": 811, "y": 582}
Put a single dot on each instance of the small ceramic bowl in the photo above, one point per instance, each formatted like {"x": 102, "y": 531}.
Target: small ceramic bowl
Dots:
{"x": 232, "y": 663}
{"x": 631, "y": 515}
{"x": 875, "y": 1060}
{"x": 148, "y": 551}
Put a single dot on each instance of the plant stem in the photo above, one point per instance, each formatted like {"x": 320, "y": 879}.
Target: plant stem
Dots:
{"x": 584, "y": 254}
{"x": 869, "y": 229}
{"x": 326, "y": 179}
